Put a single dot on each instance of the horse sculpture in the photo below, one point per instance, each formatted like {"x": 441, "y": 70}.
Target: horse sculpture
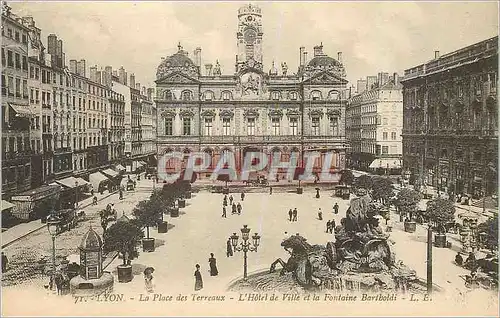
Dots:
{"x": 360, "y": 247}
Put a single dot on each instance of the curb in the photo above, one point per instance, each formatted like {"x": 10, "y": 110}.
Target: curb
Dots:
{"x": 42, "y": 226}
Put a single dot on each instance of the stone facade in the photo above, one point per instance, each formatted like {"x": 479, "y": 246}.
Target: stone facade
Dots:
{"x": 251, "y": 109}
{"x": 450, "y": 129}
{"x": 374, "y": 124}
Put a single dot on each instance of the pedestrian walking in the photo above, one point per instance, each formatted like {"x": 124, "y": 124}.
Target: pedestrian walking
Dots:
{"x": 294, "y": 215}
{"x": 290, "y": 215}
{"x": 332, "y": 226}
{"x": 328, "y": 224}
{"x": 242, "y": 196}
{"x": 320, "y": 214}
{"x": 5, "y": 261}
{"x": 224, "y": 201}
{"x": 198, "y": 283}
{"x": 213, "y": 265}
{"x": 94, "y": 200}
{"x": 270, "y": 190}
{"x": 238, "y": 207}
{"x": 224, "y": 212}
{"x": 233, "y": 209}
{"x": 229, "y": 248}
{"x": 336, "y": 208}
{"x": 231, "y": 199}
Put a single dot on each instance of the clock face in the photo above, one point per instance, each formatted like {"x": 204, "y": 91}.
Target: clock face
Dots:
{"x": 250, "y": 36}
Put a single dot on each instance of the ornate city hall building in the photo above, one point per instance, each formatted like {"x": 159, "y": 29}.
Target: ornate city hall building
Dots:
{"x": 252, "y": 110}
{"x": 450, "y": 128}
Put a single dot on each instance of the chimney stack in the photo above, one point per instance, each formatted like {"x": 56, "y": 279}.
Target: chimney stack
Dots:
{"x": 93, "y": 73}
{"x": 98, "y": 76}
{"x": 59, "y": 52}
{"x": 73, "y": 65}
{"x": 132, "y": 80}
{"x": 122, "y": 76}
{"x": 52, "y": 44}
{"x": 108, "y": 71}
{"x": 208, "y": 68}
{"x": 395, "y": 78}
{"x": 339, "y": 57}
{"x": 115, "y": 73}
{"x": 436, "y": 54}
{"x": 197, "y": 56}
{"x": 143, "y": 91}
{"x": 80, "y": 68}
{"x": 138, "y": 87}
{"x": 150, "y": 93}
{"x": 301, "y": 56}
{"x": 305, "y": 58}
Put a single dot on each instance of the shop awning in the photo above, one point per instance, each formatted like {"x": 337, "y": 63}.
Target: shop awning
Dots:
{"x": 139, "y": 164}
{"x": 6, "y": 205}
{"x": 82, "y": 182}
{"x": 21, "y": 110}
{"x": 69, "y": 182}
{"x": 386, "y": 163}
{"x": 142, "y": 162}
{"x": 96, "y": 179}
{"x": 110, "y": 173}
{"x": 119, "y": 167}
{"x": 38, "y": 193}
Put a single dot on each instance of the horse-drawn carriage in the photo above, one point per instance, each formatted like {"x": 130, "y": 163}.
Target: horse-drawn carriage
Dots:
{"x": 257, "y": 180}
{"x": 68, "y": 219}
{"x": 343, "y": 191}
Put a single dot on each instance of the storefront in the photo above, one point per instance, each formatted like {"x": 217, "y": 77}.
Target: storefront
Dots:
{"x": 99, "y": 182}
{"x": 69, "y": 192}
{"x": 36, "y": 203}
{"x": 386, "y": 166}
{"x": 7, "y": 218}
{"x": 114, "y": 179}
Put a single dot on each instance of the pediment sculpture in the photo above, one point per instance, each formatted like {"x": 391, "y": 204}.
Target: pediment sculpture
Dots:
{"x": 226, "y": 113}
{"x": 208, "y": 113}
{"x": 168, "y": 113}
{"x": 186, "y": 113}
{"x": 333, "y": 113}
{"x": 275, "y": 113}
{"x": 252, "y": 113}
{"x": 293, "y": 113}
{"x": 315, "y": 113}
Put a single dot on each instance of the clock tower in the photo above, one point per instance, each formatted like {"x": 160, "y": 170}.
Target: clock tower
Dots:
{"x": 249, "y": 38}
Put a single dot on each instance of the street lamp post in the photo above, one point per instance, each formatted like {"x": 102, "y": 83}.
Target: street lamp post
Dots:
{"x": 53, "y": 227}
{"x": 76, "y": 194}
{"x": 429, "y": 259}
{"x": 245, "y": 246}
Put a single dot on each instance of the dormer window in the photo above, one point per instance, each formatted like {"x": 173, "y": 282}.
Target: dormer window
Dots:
{"x": 275, "y": 95}
{"x": 209, "y": 95}
{"x": 226, "y": 95}
{"x": 315, "y": 95}
{"x": 186, "y": 95}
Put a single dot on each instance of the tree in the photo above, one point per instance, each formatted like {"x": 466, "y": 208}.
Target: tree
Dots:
{"x": 148, "y": 212}
{"x": 407, "y": 201}
{"x": 364, "y": 181}
{"x": 490, "y": 227}
{"x": 346, "y": 177}
{"x": 382, "y": 189}
{"x": 440, "y": 211}
{"x": 123, "y": 238}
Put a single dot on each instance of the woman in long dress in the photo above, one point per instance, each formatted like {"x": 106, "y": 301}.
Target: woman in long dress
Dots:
{"x": 229, "y": 248}
{"x": 148, "y": 280}
{"x": 198, "y": 284}
{"x": 213, "y": 265}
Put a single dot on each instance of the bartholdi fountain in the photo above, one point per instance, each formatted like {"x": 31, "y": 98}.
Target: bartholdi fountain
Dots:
{"x": 360, "y": 259}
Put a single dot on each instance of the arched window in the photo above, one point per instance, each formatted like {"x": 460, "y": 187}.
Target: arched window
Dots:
{"x": 333, "y": 95}
{"x": 169, "y": 95}
{"x": 208, "y": 95}
{"x": 275, "y": 95}
{"x": 316, "y": 95}
{"x": 293, "y": 95}
{"x": 187, "y": 95}
{"x": 226, "y": 95}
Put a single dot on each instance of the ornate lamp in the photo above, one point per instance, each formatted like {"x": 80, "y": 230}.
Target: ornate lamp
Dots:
{"x": 234, "y": 239}
{"x": 256, "y": 240}
{"x": 245, "y": 232}
{"x": 53, "y": 224}
{"x": 245, "y": 246}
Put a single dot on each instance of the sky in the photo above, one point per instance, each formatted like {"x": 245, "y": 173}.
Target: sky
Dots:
{"x": 372, "y": 36}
